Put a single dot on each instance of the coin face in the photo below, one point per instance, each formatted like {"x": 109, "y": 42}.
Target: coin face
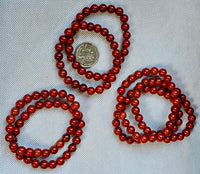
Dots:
{"x": 87, "y": 54}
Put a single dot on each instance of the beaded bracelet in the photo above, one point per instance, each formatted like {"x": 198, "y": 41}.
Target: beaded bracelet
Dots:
{"x": 66, "y": 41}
{"x": 156, "y": 82}
{"x": 47, "y": 99}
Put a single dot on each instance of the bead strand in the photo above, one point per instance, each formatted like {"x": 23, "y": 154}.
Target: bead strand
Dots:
{"x": 155, "y": 82}
{"x": 45, "y": 99}
{"x": 66, "y": 41}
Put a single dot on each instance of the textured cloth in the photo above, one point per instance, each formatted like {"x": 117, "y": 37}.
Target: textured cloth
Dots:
{"x": 165, "y": 34}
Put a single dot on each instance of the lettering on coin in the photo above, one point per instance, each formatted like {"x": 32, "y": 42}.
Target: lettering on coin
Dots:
{"x": 87, "y": 54}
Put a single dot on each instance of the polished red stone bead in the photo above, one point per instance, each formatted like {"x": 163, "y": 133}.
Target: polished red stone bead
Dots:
{"x": 35, "y": 163}
{"x": 124, "y": 18}
{"x": 80, "y": 16}
{"x": 38, "y": 152}
{"x": 21, "y": 150}
{"x": 86, "y": 11}
{"x": 45, "y": 153}
{"x": 111, "y": 8}
{"x": 66, "y": 155}
{"x": 10, "y": 119}
{"x": 69, "y": 32}
{"x": 20, "y": 104}
{"x": 10, "y": 128}
{"x": 60, "y": 160}
{"x": 44, "y": 164}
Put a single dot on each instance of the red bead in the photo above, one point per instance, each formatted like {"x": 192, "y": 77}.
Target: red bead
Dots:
{"x": 167, "y": 78}
{"x": 48, "y": 104}
{"x": 141, "y": 125}
{"x": 19, "y": 123}
{"x": 90, "y": 26}
{"x": 38, "y": 153}
{"x": 110, "y": 38}
{"x": 27, "y": 98}
{"x": 58, "y": 47}
{"x": 130, "y": 129}
{"x": 45, "y": 153}
{"x": 102, "y": 7}
{"x": 116, "y": 53}
{"x": 99, "y": 89}
{"x": 129, "y": 140}
{"x": 81, "y": 124}
{"x": 13, "y": 146}
{"x": 9, "y": 137}
{"x": 60, "y": 160}
{"x": 63, "y": 39}
{"x": 10, "y": 128}
{"x": 125, "y": 26}
{"x": 111, "y": 8}
{"x": 66, "y": 137}
{"x": 97, "y": 28}
{"x": 80, "y": 16}
{"x": 44, "y": 164}
{"x": 76, "y": 140}
{"x": 83, "y": 87}
{"x": 44, "y": 93}
{"x": 126, "y": 43}
{"x": 144, "y": 138}
{"x": 86, "y": 11}
{"x": 62, "y": 73}
{"x": 114, "y": 45}
{"x": 97, "y": 76}
{"x": 69, "y": 49}
{"x": 59, "y": 143}
{"x": 70, "y": 98}
{"x": 69, "y": 32}
{"x": 20, "y": 104}
{"x": 90, "y": 90}
{"x": 56, "y": 103}
{"x": 166, "y": 131}
{"x": 66, "y": 155}
{"x": 10, "y": 119}
{"x": 154, "y": 71}
{"x": 119, "y": 11}
{"x": 60, "y": 65}
{"x": 122, "y": 137}
{"x": 152, "y": 138}
{"x": 14, "y": 111}
{"x": 52, "y": 164}
{"x": 38, "y": 105}
{"x": 104, "y": 32}
{"x": 162, "y": 72}
{"x": 58, "y": 56}
{"x": 21, "y": 150}
{"x": 124, "y": 18}
{"x": 83, "y": 25}
{"x": 27, "y": 160}
{"x": 78, "y": 132}
{"x": 72, "y": 148}
{"x": 94, "y": 8}
{"x": 35, "y": 163}
{"x": 173, "y": 137}
{"x": 126, "y": 35}
{"x": 160, "y": 137}
{"x": 29, "y": 152}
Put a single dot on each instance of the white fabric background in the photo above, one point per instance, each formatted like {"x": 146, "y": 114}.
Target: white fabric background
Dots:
{"x": 164, "y": 34}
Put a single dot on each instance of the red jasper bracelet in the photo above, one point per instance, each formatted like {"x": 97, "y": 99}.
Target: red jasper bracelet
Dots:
{"x": 156, "y": 82}
{"x": 66, "y": 41}
{"x": 47, "y": 99}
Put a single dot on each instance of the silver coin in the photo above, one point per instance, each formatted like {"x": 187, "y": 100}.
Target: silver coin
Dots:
{"x": 87, "y": 54}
